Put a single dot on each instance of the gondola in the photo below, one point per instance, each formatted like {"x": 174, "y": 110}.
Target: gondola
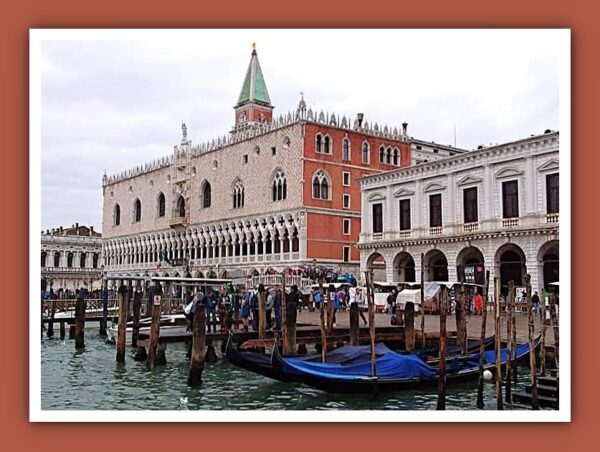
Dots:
{"x": 262, "y": 363}
{"x": 394, "y": 371}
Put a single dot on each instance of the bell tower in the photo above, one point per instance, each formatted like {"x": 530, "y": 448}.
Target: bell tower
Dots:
{"x": 253, "y": 108}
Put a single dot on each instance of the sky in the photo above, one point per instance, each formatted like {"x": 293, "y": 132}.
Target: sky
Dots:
{"x": 112, "y": 100}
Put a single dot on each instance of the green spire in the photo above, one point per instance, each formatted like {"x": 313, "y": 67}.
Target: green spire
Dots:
{"x": 254, "y": 88}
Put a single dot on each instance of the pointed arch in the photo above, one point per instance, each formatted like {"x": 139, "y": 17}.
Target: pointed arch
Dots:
{"x": 181, "y": 206}
{"x": 346, "y": 149}
{"x": 279, "y": 186}
{"x": 160, "y": 205}
{"x": 238, "y": 194}
{"x": 366, "y": 152}
{"x": 137, "y": 211}
{"x": 321, "y": 185}
{"x": 206, "y": 194}
{"x": 117, "y": 215}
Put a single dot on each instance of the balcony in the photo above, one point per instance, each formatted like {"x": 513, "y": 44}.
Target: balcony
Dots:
{"x": 405, "y": 234}
{"x": 552, "y": 218}
{"x": 179, "y": 221}
{"x": 510, "y": 222}
{"x": 435, "y": 231}
{"x": 470, "y": 227}
{"x": 377, "y": 235}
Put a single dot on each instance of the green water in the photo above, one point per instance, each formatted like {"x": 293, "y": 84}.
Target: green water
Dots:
{"x": 91, "y": 380}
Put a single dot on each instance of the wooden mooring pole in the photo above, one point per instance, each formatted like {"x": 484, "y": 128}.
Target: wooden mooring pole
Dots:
{"x": 509, "y": 345}
{"x": 322, "y": 317}
{"x": 262, "y": 312}
{"x": 480, "y": 403}
{"x": 354, "y": 325}
{"x": 498, "y": 345}
{"x": 198, "y": 345}
{"x": 461, "y": 325}
{"x": 289, "y": 340}
{"x": 532, "y": 359}
{"x": 50, "y": 331}
{"x": 104, "y": 321}
{"x": 544, "y": 322}
{"x": 554, "y": 323}
{"x": 121, "y": 328}
{"x": 423, "y": 339}
{"x": 371, "y": 305}
{"x": 137, "y": 305}
{"x": 62, "y": 329}
{"x": 330, "y": 308}
{"x": 151, "y": 362}
{"x": 79, "y": 323}
{"x": 443, "y": 306}
{"x": 409, "y": 326}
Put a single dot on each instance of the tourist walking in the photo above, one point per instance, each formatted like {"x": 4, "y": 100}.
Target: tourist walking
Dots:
{"x": 277, "y": 307}
{"x": 245, "y": 310}
{"x": 359, "y": 299}
{"x": 535, "y": 302}
{"x": 269, "y": 304}
{"x": 211, "y": 312}
{"x": 478, "y": 303}
{"x": 225, "y": 306}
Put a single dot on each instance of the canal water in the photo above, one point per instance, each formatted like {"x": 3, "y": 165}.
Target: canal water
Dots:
{"x": 91, "y": 380}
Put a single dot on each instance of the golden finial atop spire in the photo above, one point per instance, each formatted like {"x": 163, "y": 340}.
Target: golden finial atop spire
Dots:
{"x": 254, "y": 45}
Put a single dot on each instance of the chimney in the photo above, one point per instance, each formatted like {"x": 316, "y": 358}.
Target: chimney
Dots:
{"x": 61, "y": 229}
{"x": 76, "y": 225}
{"x": 404, "y": 129}
{"x": 360, "y": 117}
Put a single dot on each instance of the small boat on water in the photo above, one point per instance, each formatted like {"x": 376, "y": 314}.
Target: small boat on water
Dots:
{"x": 261, "y": 363}
{"x": 348, "y": 369}
{"x": 172, "y": 319}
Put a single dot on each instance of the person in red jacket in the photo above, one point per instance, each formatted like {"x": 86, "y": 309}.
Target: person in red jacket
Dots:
{"x": 478, "y": 301}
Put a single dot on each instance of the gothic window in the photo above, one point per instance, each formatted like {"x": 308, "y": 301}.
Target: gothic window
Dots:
{"x": 365, "y": 152}
{"x": 43, "y": 258}
{"x": 161, "y": 205}
{"x": 470, "y": 205}
{"x": 206, "y": 195}
{"x": 405, "y": 215}
{"x": 435, "y": 211}
{"x": 279, "y": 186}
{"x": 95, "y": 260}
{"x": 238, "y": 195}
{"x": 318, "y": 143}
{"x": 57, "y": 259}
{"x": 117, "y": 215}
{"x": 137, "y": 211}
{"x": 346, "y": 149}
{"x": 69, "y": 260}
{"x": 286, "y": 241}
{"x": 510, "y": 199}
{"x": 320, "y": 185}
{"x": 388, "y": 156}
{"x": 552, "y": 193}
{"x": 377, "y": 218}
{"x": 276, "y": 242}
{"x": 295, "y": 241}
{"x": 396, "y": 161}
{"x": 181, "y": 206}
{"x": 327, "y": 145}
{"x": 381, "y": 154}
{"x": 82, "y": 259}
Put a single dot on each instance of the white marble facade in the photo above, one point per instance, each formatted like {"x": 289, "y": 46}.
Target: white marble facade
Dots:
{"x": 529, "y": 241}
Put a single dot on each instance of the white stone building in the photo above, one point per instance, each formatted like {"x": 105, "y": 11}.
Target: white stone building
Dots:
{"x": 496, "y": 207}
{"x": 71, "y": 258}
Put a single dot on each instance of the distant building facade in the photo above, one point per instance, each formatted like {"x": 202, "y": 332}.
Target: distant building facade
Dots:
{"x": 276, "y": 192}
{"x": 71, "y": 258}
{"x": 496, "y": 208}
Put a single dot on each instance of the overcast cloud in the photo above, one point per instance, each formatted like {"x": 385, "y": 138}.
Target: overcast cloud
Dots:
{"x": 113, "y": 104}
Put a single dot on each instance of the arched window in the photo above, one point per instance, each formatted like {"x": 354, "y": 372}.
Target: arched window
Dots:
{"x": 388, "y": 156}
{"x": 396, "y": 155}
{"x": 346, "y": 149}
{"x": 161, "y": 205}
{"x": 366, "y": 150}
{"x": 43, "y": 258}
{"x": 56, "y": 258}
{"x": 381, "y": 154}
{"x": 327, "y": 145}
{"x": 279, "y": 186}
{"x": 295, "y": 241}
{"x": 69, "y": 260}
{"x": 206, "y": 195}
{"x": 137, "y": 211}
{"x": 82, "y": 259}
{"x": 95, "y": 260}
{"x": 117, "y": 215}
{"x": 238, "y": 195}
{"x": 320, "y": 185}
{"x": 181, "y": 206}
{"x": 318, "y": 143}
